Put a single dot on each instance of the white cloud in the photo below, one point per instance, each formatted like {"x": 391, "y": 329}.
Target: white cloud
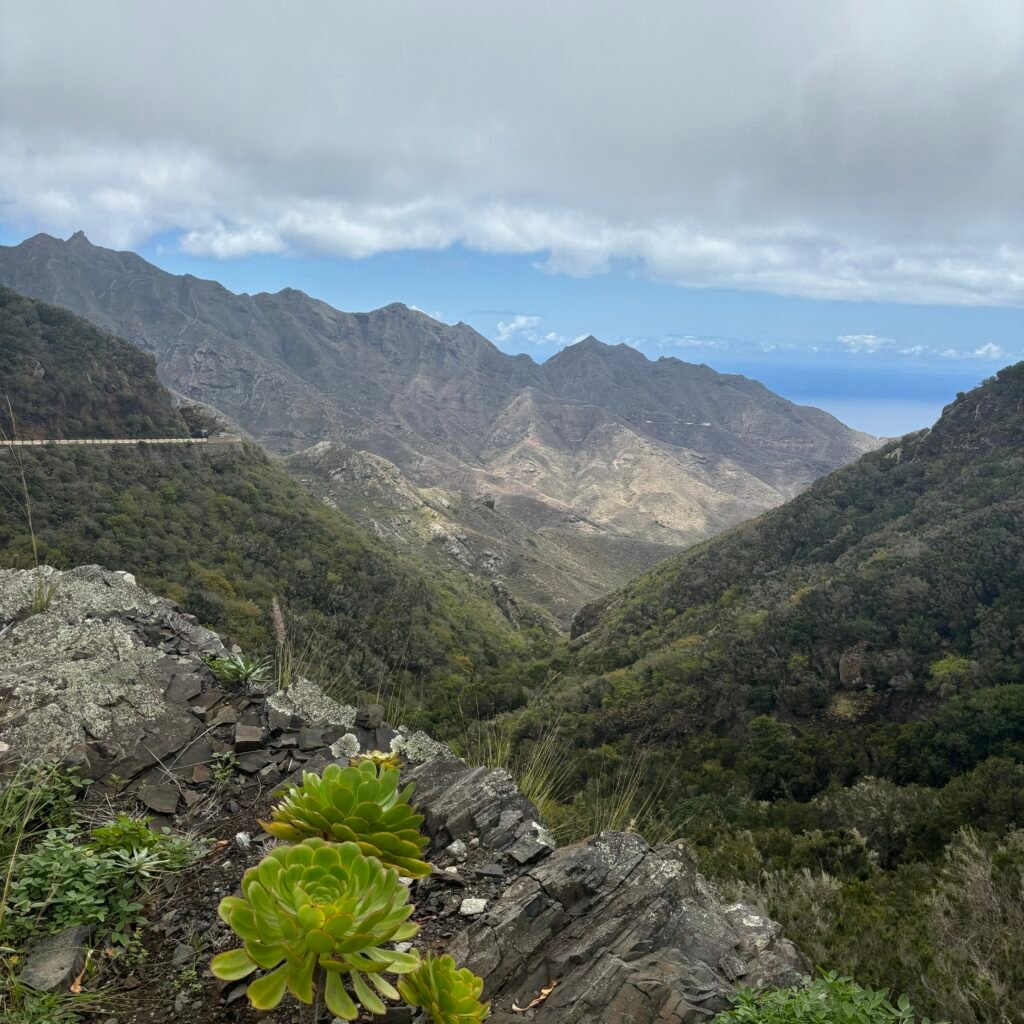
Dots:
{"x": 889, "y": 141}
{"x": 519, "y": 324}
{"x": 991, "y": 351}
{"x": 864, "y": 342}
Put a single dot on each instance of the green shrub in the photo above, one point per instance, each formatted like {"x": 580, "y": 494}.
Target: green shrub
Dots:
{"x": 447, "y": 994}
{"x": 135, "y": 836}
{"x": 828, "y": 1000}
{"x": 62, "y": 880}
{"x": 319, "y": 913}
{"x": 359, "y": 804}
{"x": 39, "y": 795}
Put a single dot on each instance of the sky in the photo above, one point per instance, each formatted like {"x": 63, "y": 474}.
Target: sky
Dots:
{"x": 828, "y": 197}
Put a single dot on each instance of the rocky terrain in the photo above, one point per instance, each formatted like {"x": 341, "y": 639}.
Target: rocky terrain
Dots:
{"x": 111, "y": 678}
{"x": 553, "y": 568}
{"x": 610, "y": 456}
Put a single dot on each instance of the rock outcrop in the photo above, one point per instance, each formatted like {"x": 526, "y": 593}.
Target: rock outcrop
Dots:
{"x": 113, "y": 679}
{"x": 609, "y": 930}
{"x": 622, "y": 931}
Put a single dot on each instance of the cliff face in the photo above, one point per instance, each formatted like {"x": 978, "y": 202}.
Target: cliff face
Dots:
{"x": 616, "y": 457}
{"x": 111, "y": 678}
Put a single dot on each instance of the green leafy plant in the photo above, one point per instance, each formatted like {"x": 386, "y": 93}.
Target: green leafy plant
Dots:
{"x": 223, "y": 767}
{"x": 830, "y": 999}
{"x": 360, "y": 804}
{"x": 317, "y": 916}
{"x": 60, "y": 883}
{"x": 134, "y": 835}
{"x": 239, "y": 669}
{"x": 449, "y": 995}
{"x": 68, "y": 876}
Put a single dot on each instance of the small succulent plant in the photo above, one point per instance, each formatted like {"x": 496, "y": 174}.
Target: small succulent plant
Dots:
{"x": 319, "y": 914}
{"x": 449, "y": 995}
{"x": 238, "y": 669}
{"x": 359, "y": 804}
{"x": 380, "y": 758}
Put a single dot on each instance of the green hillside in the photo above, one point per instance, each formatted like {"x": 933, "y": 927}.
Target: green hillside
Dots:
{"x": 887, "y": 588}
{"x": 82, "y": 382}
{"x": 225, "y": 532}
{"x": 828, "y": 694}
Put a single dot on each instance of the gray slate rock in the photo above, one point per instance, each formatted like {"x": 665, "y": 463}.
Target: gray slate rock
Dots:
{"x": 161, "y": 799}
{"x": 54, "y": 961}
{"x": 458, "y": 801}
{"x": 629, "y": 933}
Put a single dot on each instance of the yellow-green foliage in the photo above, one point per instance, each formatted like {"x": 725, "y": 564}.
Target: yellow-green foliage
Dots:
{"x": 359, "y": 804}
{"x": 449, "y": 995}
{"x": 378, "y": 758}
{"x": 319, "y": 906}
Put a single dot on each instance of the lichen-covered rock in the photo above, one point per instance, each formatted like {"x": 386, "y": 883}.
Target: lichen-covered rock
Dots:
{"x": 111, "y": 678}
{"x": 629, "y": 933}
{"x": 95, "y": 665}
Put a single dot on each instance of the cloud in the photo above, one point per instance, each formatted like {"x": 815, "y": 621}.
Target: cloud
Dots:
{"x": 864, "y": 342}
{"x": 990, "y": 351}
{"x": 519, "y": 324}
{"x": 857, "y": 149}
{"x": 986, "y": 351}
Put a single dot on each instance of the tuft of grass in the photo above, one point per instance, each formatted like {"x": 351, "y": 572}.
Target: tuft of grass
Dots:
{"x": 38, "y": 796}
{"x": 285, "y": 649}
{"x": 44, "y": 590}
{"x": 622, "y": 798}
{"x": 539, "y": 765}
{"x": 20, "y": 1004}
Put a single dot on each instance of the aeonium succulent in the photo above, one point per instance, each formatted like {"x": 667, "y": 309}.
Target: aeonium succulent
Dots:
{"x": 449, "y": 994}
{"x": 319, "y": 914}
{"x": 359, "y": 804}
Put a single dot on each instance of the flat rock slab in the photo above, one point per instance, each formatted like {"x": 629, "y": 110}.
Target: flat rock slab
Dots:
{"x": 54, "y": 961}
{"x": 162, "y": 799}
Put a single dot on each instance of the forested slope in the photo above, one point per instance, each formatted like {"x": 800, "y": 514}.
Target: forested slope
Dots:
{"x": 225, "y": 532}
{"x": 82, "y": 382}
{"x": 830, "y": 704}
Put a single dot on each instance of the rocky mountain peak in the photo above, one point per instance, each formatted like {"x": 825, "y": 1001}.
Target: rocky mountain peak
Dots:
{"x": 643, "y": 452}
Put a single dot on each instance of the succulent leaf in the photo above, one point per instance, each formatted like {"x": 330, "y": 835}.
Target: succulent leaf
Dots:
{"x": 358, "y": 804}
{"x": 321, "y": 905}
{"x": 448, "y": 994}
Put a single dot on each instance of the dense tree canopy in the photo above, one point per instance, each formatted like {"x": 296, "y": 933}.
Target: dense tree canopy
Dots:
{"x": 66, "y": 378}
{"x": 827, "y": 695}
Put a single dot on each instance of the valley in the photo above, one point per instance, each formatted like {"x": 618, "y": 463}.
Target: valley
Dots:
{"x": 823, "y": 701}
{"x": 599, "y": 461}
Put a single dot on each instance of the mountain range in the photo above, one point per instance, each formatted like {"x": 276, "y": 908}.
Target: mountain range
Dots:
{"x": 226, "y": 530}
{"x": 606, "y": 459}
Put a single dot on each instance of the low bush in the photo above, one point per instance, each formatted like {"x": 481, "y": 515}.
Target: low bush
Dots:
{"x": 828, "y": 1000}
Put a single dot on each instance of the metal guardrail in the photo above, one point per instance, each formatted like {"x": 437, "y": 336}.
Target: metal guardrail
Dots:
{"x": 41, "y": 443}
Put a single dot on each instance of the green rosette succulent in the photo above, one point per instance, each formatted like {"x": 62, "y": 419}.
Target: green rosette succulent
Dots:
{"x": 319, "y": 914}
{"x": 450, "y": 995}
{"x": 360, "y": 804}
